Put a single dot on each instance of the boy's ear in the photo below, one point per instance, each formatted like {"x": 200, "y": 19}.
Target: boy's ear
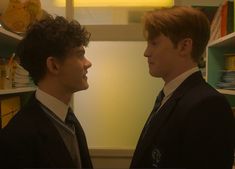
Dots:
{"x": 53, "y": 65}
{"x": 185, "y": 46}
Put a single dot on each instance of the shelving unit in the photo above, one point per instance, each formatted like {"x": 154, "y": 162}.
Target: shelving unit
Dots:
{"x": 8, "y": 43}
{"x": 4, "y": 34}
{"x": 225, "y": 41}
{"x": 215, "y": 62}
{"x": 225, "y": 91}
{"x": 17, "y": 90}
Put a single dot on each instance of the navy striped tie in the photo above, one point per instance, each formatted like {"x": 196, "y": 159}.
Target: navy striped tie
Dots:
{"x": 157, "y": 105}
{"x": 158, "y": 101}
{"x": 70, "y": 119}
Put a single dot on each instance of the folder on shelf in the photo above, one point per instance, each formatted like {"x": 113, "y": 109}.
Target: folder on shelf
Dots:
{"x": 8, "y": 108}
{"x": 224, "y": 15}
{"x": 230, "y": 61}
{"x": 227, "y": 21}
{"x": 223, "y": 21}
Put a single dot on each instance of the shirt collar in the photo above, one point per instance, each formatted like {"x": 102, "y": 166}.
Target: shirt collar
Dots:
{"x": 53, "y": 104}
{"x": 172, "y": 85}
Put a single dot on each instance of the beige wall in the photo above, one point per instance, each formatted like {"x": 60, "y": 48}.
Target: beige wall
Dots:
{"x": 121, "y": 94}
{"x": 120, "y": 97}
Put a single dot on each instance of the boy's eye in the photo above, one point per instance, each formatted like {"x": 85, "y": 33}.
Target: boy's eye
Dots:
{"x": 80, "y": 53}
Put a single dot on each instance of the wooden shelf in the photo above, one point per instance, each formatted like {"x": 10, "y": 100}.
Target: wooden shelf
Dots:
{"x": 8, "y": 38}
{"x": 225, "y": 41}
{"x": 9, "y": 34}
{"x": 17, "y": 90}
{"x": 226, "y": 91}
{"x": 216, "y": 51}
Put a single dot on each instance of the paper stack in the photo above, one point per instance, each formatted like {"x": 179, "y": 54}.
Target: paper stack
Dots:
{"x": 21, "y": 77}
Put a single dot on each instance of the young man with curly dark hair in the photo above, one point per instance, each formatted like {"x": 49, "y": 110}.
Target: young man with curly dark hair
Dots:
{"x": 191, "y": 125}
{"x": 45, "y": 133}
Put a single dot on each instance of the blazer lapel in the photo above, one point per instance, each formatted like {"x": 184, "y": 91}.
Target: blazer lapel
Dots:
{"x": 155, "y": 125}
{"x": 54, "y": 148}
{"x": 83, "y": 148}
{"x": 164, "y": 114}
{"x": 50, "y": 142}
{"x": 165, "y": 111}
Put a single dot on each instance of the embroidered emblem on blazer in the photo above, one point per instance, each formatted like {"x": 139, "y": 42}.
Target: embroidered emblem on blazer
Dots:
{"x": 156, "y": 157}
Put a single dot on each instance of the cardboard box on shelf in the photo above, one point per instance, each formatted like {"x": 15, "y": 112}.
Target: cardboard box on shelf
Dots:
{"x": 8, "y": 108}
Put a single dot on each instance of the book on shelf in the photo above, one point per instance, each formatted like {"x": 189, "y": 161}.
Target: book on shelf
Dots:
{"x": 9, "y": 106}
{"x": 227, "y": 79}
{"x": 223, "y": 21}
{"x": 209, "y": 11}
{"x": 5, "y": 73}
{"x": 216, "y": 22}
{"x": 229, "y": 61}
{"x": 224, "y": 14}
{"x": 13, "y": 75}
{"x": 230, "y": 17}
{"x": 21, "y": 77}
{"x": 227, "y": 18}
{"x": 18, "y": 69}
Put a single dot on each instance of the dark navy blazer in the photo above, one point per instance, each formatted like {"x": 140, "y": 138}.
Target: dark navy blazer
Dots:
{"x": 31, "y": 140}
{"x": 194, "y": 129}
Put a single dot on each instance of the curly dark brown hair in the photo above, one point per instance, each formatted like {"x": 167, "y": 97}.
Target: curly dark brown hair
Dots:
{"x": 49, "y": 37}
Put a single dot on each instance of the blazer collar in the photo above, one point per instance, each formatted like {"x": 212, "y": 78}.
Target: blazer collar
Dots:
{"x": 166, "y": 110}
{"x": 193, "y": 80}
{"x": 49, "y": 138}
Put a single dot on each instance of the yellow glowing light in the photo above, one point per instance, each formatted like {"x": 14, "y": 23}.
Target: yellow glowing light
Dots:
{"x": 117, "y": 3}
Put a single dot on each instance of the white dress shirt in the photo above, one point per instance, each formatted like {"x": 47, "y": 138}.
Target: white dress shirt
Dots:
{"x": 170, "y": 87}
{"x": 57, "y": 112}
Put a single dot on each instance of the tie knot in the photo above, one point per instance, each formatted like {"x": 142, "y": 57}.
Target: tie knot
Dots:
{"x": 160, "y": 96}
{"x": 159, "y": 99}
{"x": 70, "y": 118}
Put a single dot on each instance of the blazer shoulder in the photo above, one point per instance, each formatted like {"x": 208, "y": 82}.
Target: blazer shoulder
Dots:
{"x": 204, "y": 91}
{"x": 204, "y": 99}
{"x": 25, "y": 121}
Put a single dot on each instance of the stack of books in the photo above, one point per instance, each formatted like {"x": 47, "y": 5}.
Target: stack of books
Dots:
{"x": 227, "y": 80}
{"x": 223, "y": 21}
{"x": 21, "y": 77}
